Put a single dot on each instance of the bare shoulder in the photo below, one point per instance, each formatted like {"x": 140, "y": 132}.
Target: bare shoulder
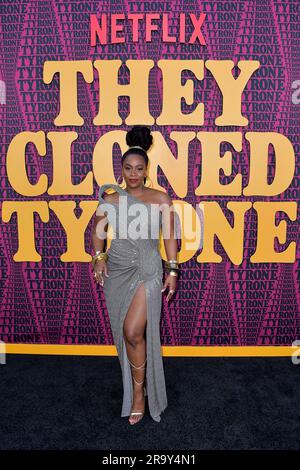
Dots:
{"x": 161, "y": 197}
{"x": 113, "y": 197}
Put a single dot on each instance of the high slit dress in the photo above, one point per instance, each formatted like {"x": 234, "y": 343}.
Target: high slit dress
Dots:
{"x": 133, "y": 260}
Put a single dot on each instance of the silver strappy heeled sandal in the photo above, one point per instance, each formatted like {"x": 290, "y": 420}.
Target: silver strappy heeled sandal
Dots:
{"x": 136, "y": 413}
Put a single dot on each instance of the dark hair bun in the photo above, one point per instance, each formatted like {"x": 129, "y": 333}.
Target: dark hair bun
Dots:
{"x": 139, "y": 135}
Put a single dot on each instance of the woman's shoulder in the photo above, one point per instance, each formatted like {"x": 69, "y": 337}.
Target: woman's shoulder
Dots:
{"x": 161, "y": 197}
{"x": 111, "y": 197}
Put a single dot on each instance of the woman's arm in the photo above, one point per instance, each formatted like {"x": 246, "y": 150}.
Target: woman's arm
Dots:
{"x": 99, "y": 235}
{"x": 99, "y": 231}
{"x": 168, "y": 227}
{"x": 170, "y": 241}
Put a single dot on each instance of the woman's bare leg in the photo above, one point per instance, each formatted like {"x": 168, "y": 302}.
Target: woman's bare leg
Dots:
{"x": 134, "y": 336}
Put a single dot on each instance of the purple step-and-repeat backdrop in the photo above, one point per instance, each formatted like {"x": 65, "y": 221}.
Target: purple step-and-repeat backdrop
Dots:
{"x": 52, "y": 301}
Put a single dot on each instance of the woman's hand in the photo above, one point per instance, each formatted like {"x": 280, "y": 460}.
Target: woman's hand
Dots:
{"x": 100, "y": 268}
{"x": 171, "y": 283}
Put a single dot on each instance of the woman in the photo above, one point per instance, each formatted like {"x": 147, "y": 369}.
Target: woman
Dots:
{"x": 131, "y": 275}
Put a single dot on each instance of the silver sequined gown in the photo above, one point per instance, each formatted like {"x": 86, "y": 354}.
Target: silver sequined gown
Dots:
{"x": 132, "y": 261}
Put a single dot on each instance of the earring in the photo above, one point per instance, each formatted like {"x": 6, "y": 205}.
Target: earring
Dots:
{"x": 119, "y": 183}
{"x": 151, "y": 183}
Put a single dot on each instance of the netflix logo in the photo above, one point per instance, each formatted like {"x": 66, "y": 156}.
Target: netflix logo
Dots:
{"x": 143, "y": 25}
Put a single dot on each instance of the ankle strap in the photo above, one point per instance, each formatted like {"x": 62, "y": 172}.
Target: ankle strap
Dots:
{"x": 140, "y": 367}
{"x": 138, "y": 383}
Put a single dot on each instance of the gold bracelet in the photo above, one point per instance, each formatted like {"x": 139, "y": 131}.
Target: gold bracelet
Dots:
{"x": 172, "y": 268}
{"x": 171, "y": 263}
{"x": 102, "y": 255}
{"x": 173, "y": 273}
